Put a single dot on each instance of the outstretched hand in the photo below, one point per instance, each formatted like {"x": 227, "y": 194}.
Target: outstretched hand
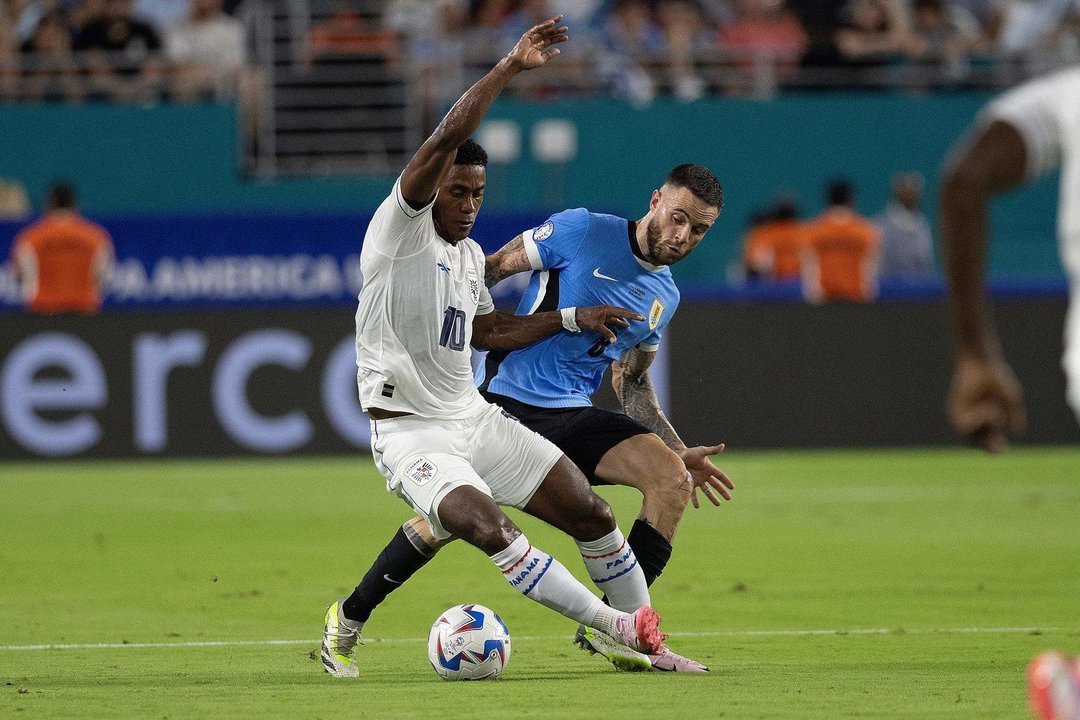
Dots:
{"x": 706, "y": 476}
{"x": 986, "y": 402}
{"x": 536, "y": 46}
{"x": 598, "y": 317}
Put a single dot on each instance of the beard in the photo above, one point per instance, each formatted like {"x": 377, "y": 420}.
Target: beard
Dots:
{"x": 652, "y": 241}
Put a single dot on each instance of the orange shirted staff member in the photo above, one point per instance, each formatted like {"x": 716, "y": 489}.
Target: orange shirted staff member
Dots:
{"x": 63, "y": 261}
{"x": 774, "y": 247}
{"x": 841, "y": 252}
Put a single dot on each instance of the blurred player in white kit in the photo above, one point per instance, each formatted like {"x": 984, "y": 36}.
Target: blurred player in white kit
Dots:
{"x": 1024, "y": 134}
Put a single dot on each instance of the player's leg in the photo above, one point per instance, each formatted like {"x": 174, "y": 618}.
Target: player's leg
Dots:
{"x": 427, "y": 464}
{"x": 471, "y": 514}
{"x": 412, "y": 546}
{"x": 611, "y": 448}
{"x": 644, "y": 462}
{"x": 396, "y": 443}
{"x": 525, "y": 470}
{"x": 590, "y": 436}
{"x": 565, "y": 501}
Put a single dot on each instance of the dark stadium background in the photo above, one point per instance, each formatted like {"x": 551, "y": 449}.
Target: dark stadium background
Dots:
{"x": 229, "y": 235}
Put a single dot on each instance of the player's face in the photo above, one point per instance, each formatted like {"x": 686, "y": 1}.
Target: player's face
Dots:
{"x": 459, "y": 200}
{"x": 679, "y": 221}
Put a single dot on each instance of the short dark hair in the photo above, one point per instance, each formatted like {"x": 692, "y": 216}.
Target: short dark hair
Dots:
{"x": 934, "y": 5}
{"x": 699, "y": 180}
{"x": 62, "y": 196}
{"x": 841, "y": 193}
{"x": 470, "y": 153}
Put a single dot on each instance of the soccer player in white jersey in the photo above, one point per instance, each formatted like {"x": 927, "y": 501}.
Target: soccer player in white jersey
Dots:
{"x": 1027, "y": 132}
{"x": 444, "y": 450}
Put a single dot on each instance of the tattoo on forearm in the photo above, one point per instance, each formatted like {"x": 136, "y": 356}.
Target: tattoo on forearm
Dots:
{"x": 638, "y": 398}
{"x": 509, "y": 260}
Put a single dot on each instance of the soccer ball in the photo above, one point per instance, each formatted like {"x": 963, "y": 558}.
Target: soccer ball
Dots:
{"x": 469, "y": 642}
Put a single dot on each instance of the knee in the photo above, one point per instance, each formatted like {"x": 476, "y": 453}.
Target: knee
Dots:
{"x": 595, "y": 519}
{"x": 493, "y": 536}
{"x": 668, "y": 484}
{"x": 474, "y": 518}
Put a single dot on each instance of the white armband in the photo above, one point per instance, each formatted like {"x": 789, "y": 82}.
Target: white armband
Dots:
{"x": 569, "y": 319}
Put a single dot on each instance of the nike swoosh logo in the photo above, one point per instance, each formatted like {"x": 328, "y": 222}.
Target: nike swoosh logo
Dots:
{"x": 389, "y": 579}
{"x": 597, "y": 274}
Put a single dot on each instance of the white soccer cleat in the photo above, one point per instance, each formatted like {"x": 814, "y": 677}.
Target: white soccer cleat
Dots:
{"x": 340, "y": 638}
{"x": 622, "y": 657}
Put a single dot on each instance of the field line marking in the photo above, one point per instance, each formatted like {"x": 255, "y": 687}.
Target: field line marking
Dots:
{"x": 715, "y": 633}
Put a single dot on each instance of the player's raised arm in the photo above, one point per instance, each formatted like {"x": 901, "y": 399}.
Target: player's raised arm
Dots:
{"x": 985, "y": 399}
{"x": 630, "y": 378}
{"x": 427, "y": 168}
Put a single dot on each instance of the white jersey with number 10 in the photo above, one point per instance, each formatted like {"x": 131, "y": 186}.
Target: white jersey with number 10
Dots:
{"x": 415, "y": 314}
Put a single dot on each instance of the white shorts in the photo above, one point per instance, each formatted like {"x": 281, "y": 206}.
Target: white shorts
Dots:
{"x": 423, "y": 459}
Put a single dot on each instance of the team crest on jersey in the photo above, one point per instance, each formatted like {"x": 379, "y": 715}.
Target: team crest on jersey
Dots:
{"x": 655, "y": 313}
{"x": 474, "y": 285}
{"x": 421, "y": 470}
{"x": 543, "y": 232}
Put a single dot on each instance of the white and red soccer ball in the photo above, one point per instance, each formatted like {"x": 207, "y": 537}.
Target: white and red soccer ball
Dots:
{"x": 469, "y": 642}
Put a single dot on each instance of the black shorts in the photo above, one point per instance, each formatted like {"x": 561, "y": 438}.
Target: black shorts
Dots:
{"x": 584, "y": 434}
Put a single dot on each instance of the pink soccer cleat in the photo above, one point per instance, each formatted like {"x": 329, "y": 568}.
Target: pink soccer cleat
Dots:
{"x": 1054, "y": 687}
{"x": 667, "y": 661}
{"x": 641, "y": 630}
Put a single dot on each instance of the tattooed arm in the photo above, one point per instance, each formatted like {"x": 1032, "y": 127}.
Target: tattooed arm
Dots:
{"x": 508, "y": 260}
{"x": 630, "y": 378}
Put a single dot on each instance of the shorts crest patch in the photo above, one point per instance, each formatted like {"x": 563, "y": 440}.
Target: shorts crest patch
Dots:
{"x": 543, "y": 232}
{"x": 421, "y": 470}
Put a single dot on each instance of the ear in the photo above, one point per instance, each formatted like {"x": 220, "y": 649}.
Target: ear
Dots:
{"x": 655, "y": 200}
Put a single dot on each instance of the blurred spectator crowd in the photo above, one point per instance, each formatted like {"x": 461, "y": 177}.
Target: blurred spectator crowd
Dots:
{"x": 121, "y": 50}
{"x": 689, "y": 47}
{"x": 134, "y": 50}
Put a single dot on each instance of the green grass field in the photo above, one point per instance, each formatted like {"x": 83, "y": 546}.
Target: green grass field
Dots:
{"x": 909, "y": 584}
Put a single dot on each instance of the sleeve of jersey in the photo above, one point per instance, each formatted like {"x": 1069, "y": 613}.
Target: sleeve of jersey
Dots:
{"x": 555, "y": 243}
{"x": 396, "y": 228}
{"x": 1033, "y": 110}
{"x": 486, "y": 305}
{"x": 651, "y": 343}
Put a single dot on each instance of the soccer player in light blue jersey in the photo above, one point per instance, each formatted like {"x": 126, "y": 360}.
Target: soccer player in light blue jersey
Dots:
{"x": 579, "y": 258}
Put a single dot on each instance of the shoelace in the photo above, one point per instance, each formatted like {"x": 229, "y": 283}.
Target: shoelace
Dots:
{"x": 343, "y": 635}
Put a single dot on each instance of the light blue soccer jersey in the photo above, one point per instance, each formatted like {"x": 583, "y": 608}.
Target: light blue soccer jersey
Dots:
{"x": 579, "y": 259}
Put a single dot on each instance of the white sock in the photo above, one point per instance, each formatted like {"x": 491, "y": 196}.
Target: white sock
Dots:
{"x": 542, "y": 578}
{"x": 605, "y": 621}
{"x": 614, "y": 568}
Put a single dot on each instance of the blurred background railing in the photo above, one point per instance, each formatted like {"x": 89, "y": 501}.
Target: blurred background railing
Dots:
{"x": 330, "y": 87}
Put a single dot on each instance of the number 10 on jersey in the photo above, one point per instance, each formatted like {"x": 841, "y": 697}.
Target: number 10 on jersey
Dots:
{"x": 453, "y": 329}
